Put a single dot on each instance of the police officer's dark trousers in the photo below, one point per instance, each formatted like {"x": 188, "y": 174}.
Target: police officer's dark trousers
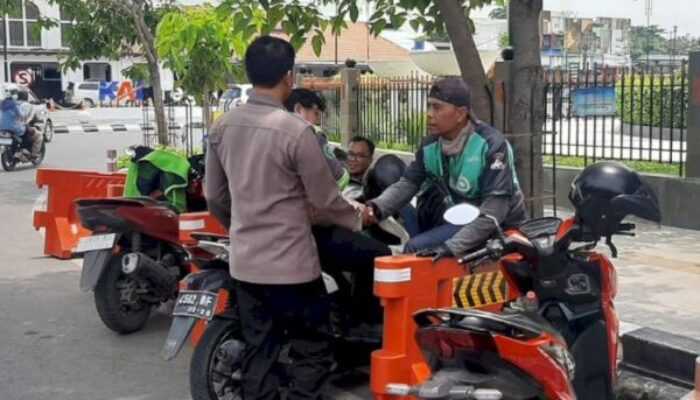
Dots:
{"x": 273, "y": 314}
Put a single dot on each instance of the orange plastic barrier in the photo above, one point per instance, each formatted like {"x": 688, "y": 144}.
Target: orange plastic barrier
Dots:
{"x": 60, "y": 220}
{"x": 63, "y": 229}
{"x": 406, "y": 284}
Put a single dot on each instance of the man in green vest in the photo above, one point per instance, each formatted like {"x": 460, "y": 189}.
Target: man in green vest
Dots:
{"x": 309, "y": 106}
{"x": 463, "y": 160}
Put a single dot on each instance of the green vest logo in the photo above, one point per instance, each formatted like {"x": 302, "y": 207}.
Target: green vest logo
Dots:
{"x": 463, "y": 184}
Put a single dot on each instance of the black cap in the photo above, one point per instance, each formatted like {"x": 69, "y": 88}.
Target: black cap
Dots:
{"x": 452, "y": 90}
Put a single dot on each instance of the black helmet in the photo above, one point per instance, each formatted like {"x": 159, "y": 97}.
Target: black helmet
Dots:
{"x": 386, "y": 171}
{"x": 606, "y": 192}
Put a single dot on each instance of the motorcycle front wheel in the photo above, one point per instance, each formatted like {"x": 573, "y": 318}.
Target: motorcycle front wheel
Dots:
{"x": 8, "y": 161}
{"x": 215, "y": 368}
{"x": 40, "y": 158}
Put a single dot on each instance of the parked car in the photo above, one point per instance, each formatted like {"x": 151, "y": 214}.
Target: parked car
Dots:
{"x": 234, "y": 96}
{"x": 88, "y": 91}
{"x": 35, "y": 111}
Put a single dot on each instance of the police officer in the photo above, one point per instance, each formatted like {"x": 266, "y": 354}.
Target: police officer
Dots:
{"x": 263, "y": 166}
{"x": 463, "y": 160}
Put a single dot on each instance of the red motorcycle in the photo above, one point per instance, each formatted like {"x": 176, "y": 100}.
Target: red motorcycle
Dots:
{"x": 134, "y": 258}
{"x": 557, "y": 336}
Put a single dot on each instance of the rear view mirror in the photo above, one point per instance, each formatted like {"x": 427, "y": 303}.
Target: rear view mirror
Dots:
{"x": 462, "y": 214}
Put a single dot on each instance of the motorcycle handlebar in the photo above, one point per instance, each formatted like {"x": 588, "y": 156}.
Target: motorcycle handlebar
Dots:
{"x": 474, "y": 256}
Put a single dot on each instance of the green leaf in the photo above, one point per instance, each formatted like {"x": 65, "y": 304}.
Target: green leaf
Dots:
{"x": 397, "y": 21}
{"x": 354, "y": 12}
{"x": 264, "y": 4}
{"x": 297, "y": 41}
{"x": 191, "y": 36}
{"x": 378, "y": 27}
{"x": 415, "y": 24}
{"x": 317, "y": 43}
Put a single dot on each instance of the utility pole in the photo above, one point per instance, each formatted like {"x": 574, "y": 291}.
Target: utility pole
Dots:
{"x": 673, "y": 44}
{"x": 648, "y": 11}
{"x": 5, "y": 38}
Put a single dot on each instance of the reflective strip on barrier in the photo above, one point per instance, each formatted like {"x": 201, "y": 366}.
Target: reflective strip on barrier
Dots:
{"x": 392, "y": 275}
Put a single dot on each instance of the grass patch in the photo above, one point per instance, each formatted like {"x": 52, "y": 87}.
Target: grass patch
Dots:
{"x": 646, "y": 167}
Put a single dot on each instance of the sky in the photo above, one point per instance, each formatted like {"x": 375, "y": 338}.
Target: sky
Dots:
{"x": 665, "y": 13}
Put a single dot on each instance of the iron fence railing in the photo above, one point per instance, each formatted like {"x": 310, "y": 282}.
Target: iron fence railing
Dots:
{"x": 621, "y": 114}
{"x": 392, "y": 111}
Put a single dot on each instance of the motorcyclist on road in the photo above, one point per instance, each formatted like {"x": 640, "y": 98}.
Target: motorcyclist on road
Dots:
{"x": 309, "y": 106}
{"x": 11, "y": 120}
{"x": 464, "y": 160}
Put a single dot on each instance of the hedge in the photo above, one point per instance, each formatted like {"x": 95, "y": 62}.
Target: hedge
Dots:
{"x": 643, "y": 101}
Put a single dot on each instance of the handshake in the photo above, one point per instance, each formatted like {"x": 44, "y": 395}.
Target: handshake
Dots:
{"x": 367, "y": 212}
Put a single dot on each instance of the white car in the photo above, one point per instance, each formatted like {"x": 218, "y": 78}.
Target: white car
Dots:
{"x": 234, "y": 96}
{"x": 35, "y": 111}
{"x": 89, "y": 92}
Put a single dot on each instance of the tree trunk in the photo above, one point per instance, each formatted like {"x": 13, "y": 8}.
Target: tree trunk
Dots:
{"x": 158, "y": 106}
{"x": 206, "y": 108}
{"x": 525, "y": 99}
{"x": 467, "y": 56}
{"x": 148, "y": 42}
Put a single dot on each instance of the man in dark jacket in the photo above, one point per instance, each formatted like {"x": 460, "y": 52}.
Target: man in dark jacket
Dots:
{"x": 466, "y": 161}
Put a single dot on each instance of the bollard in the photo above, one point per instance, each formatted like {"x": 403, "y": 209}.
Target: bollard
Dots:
{"x": 404, "y": 285}
{"x": 111, "y": 161}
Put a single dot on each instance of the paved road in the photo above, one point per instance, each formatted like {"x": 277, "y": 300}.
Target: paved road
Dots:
{"x": 55, "y": 347}
{"x": 53, "y": 344}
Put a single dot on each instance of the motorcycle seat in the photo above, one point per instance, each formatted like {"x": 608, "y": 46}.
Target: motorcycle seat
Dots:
{"x": 508, "y": 323}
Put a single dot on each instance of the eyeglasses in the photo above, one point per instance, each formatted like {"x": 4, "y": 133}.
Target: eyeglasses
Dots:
{"x": 356, "y": 156}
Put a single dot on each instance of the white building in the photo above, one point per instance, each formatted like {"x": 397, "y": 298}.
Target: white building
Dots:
{"x": 40, "y": 55}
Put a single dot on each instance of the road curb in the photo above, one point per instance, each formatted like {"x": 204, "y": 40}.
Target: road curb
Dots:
{"x": 661, "y": 355}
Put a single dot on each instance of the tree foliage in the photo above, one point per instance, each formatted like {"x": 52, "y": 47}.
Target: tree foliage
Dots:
{"x": 101, "y": 28}
{"x": 647, "y": 41}
{"x": 197, "y": 44}
{"x": 303, "y": 20}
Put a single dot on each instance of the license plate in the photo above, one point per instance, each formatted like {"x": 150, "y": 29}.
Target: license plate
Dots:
{"x": 5, "y": 142}
{"x": 95, "y": 242}
{"x": 198, "y": 304}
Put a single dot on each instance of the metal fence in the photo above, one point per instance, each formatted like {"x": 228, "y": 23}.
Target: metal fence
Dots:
{"x": 185, "y": 128}
{"x": 392, "y": 111}
{"x": 330, "y": 90}
{"x": 636, "y": 115}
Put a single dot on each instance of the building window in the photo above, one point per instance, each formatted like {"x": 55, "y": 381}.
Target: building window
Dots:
{"x": 21, "y": 23}
{"x": 66, "y": 24}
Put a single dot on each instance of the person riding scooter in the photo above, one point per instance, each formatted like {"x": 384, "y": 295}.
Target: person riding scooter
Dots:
{"x": 464, "y": 160}
{"x": 11, "y": 120}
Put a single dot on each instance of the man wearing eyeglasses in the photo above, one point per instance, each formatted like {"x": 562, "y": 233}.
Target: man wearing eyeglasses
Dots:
{"x": 359, "y": 158}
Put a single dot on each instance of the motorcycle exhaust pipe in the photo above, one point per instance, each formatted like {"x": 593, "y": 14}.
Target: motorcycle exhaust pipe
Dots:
{"x": 146, "y": 267}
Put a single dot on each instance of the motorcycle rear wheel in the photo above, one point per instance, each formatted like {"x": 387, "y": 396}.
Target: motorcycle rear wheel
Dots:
{"x": 8, "y": 161}
{"x": 210, "y": 377}
{"x": 117, "y": 314}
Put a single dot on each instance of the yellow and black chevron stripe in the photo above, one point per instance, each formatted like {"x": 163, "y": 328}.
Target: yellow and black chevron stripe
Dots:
{"x": 477, "y": 290}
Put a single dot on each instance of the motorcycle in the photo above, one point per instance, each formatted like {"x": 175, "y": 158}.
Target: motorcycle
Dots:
{"x": 556, "y": 337}
{"x": 134, "y": 258}
{"x": 206, "y": 311}
{"x": 17, "y": 149}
